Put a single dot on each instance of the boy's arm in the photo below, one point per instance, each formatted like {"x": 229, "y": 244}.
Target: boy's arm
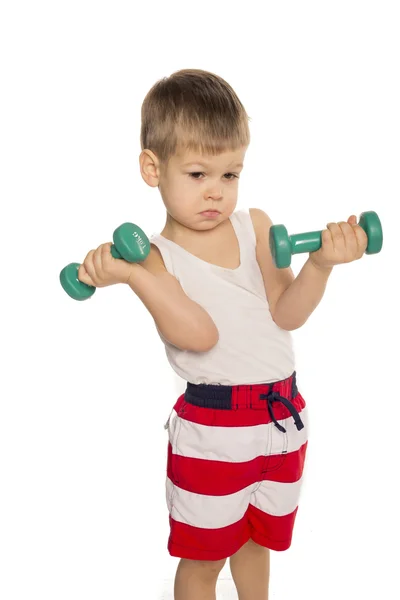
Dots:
{"x": 180, "y": 320}
{"x": 302, "y": 297}
{"x": 291, "y": 300}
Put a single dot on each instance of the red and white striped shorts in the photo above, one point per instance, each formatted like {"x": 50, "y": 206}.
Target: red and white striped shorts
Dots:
{"x": 235, "y": 464}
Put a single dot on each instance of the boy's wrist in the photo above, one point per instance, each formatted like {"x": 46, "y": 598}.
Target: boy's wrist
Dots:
{"x": 320, "y": 268}
{"x": 131, "y": 273}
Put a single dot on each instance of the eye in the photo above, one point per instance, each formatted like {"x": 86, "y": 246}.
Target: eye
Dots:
{"x": 199, "y": 175}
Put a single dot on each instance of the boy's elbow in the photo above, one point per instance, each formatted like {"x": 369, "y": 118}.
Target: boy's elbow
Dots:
{"x": 205, "y": 340}
{"x": 292, "y": 327}
{"x": 286, "y": 325}
{"x": 211, "y": 342}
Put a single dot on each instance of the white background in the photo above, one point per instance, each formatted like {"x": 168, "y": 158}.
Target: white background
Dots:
{"x": 86, "y": 387}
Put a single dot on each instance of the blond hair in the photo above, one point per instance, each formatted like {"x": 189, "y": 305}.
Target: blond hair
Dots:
{"x": 193, "y": 110}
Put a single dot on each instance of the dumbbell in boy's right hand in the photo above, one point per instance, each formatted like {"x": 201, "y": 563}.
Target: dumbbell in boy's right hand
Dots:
{"x": 108, "y": 264}
{"x": 100, "y": 268}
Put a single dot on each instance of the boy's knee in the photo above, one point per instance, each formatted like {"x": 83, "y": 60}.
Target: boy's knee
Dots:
{"x": 205, "y": 568}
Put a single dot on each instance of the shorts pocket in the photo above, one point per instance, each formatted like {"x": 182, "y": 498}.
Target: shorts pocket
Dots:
{"x": 277, "y": 448}
{"x": 173, "y": 426}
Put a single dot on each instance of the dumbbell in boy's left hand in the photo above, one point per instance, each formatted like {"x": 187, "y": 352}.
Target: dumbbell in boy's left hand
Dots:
{"x": 342, "y": 242}
{"x": 101, "y": 269}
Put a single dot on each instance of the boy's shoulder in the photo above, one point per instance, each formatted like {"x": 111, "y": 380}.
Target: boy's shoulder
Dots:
{"x": 261, "y": 222}
{"x": 276, "y": 281}
{"x": 154, "y": 262}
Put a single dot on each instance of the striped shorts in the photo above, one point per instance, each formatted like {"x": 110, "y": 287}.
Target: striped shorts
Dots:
{"x": 235, "y": 467}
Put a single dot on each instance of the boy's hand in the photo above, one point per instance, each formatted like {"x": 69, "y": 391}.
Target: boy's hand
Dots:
{"x": 341, "y": 243}
{"x": 100, "y": 268}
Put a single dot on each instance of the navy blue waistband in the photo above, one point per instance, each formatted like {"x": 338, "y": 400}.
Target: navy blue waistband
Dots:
{"x": 258, "y": 396}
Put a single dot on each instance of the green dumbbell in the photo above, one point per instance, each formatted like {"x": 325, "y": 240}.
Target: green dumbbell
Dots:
{"x": 283, "y": 246}
{"x": 130, "y": 243}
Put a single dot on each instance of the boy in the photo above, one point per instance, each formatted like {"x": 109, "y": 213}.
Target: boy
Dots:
{"x": 238, "y": 435}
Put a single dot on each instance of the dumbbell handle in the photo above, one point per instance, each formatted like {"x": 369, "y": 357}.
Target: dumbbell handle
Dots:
{"x": 306, "y": 242}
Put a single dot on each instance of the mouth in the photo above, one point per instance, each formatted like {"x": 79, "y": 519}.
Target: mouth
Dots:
{"x": 210, "y": 212}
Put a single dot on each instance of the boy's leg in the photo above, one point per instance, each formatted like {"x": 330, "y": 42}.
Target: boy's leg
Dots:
{"x": 197, "y": 580}
{"x": 250, "y": 571}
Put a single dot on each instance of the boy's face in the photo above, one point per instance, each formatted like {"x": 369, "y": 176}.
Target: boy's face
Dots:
{"x": 192, "y": 183}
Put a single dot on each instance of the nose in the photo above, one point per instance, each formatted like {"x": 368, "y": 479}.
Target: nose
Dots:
{"x": 215, "y": 194}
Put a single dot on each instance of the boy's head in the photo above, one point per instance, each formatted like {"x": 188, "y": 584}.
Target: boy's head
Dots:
{"x": 194, "y": 137}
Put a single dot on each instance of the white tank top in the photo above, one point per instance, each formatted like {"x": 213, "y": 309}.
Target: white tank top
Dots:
{"x": 251, "y": 348}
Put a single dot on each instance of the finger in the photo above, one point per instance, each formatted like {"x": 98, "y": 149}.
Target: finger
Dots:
{"x": 84, "y": 276}
{"x": 326, "y": 238}
{"x": 352, "y": 220}
{"x": 106, "y": 255}
{"x": 350, "y": 239}
{"x": 97, "y": 260}
{"x": 347, "y": 230}
{"x": 337, "y": 237}
{"x": 362, "y": 239}
{"x": 89, "y": 266}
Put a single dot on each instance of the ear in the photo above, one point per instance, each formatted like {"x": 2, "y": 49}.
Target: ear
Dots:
{"x": 149, "y": 167}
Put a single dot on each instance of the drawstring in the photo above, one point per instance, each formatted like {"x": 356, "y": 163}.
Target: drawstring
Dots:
{"x": 272, "y": 397}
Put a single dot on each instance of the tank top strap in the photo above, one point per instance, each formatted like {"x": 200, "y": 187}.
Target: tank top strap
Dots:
{"x": 243, "y": 225}
{"x": 165, "y": 250}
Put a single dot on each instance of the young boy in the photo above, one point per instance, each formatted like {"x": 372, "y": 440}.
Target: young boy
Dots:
{"x": 238, "y": 435}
